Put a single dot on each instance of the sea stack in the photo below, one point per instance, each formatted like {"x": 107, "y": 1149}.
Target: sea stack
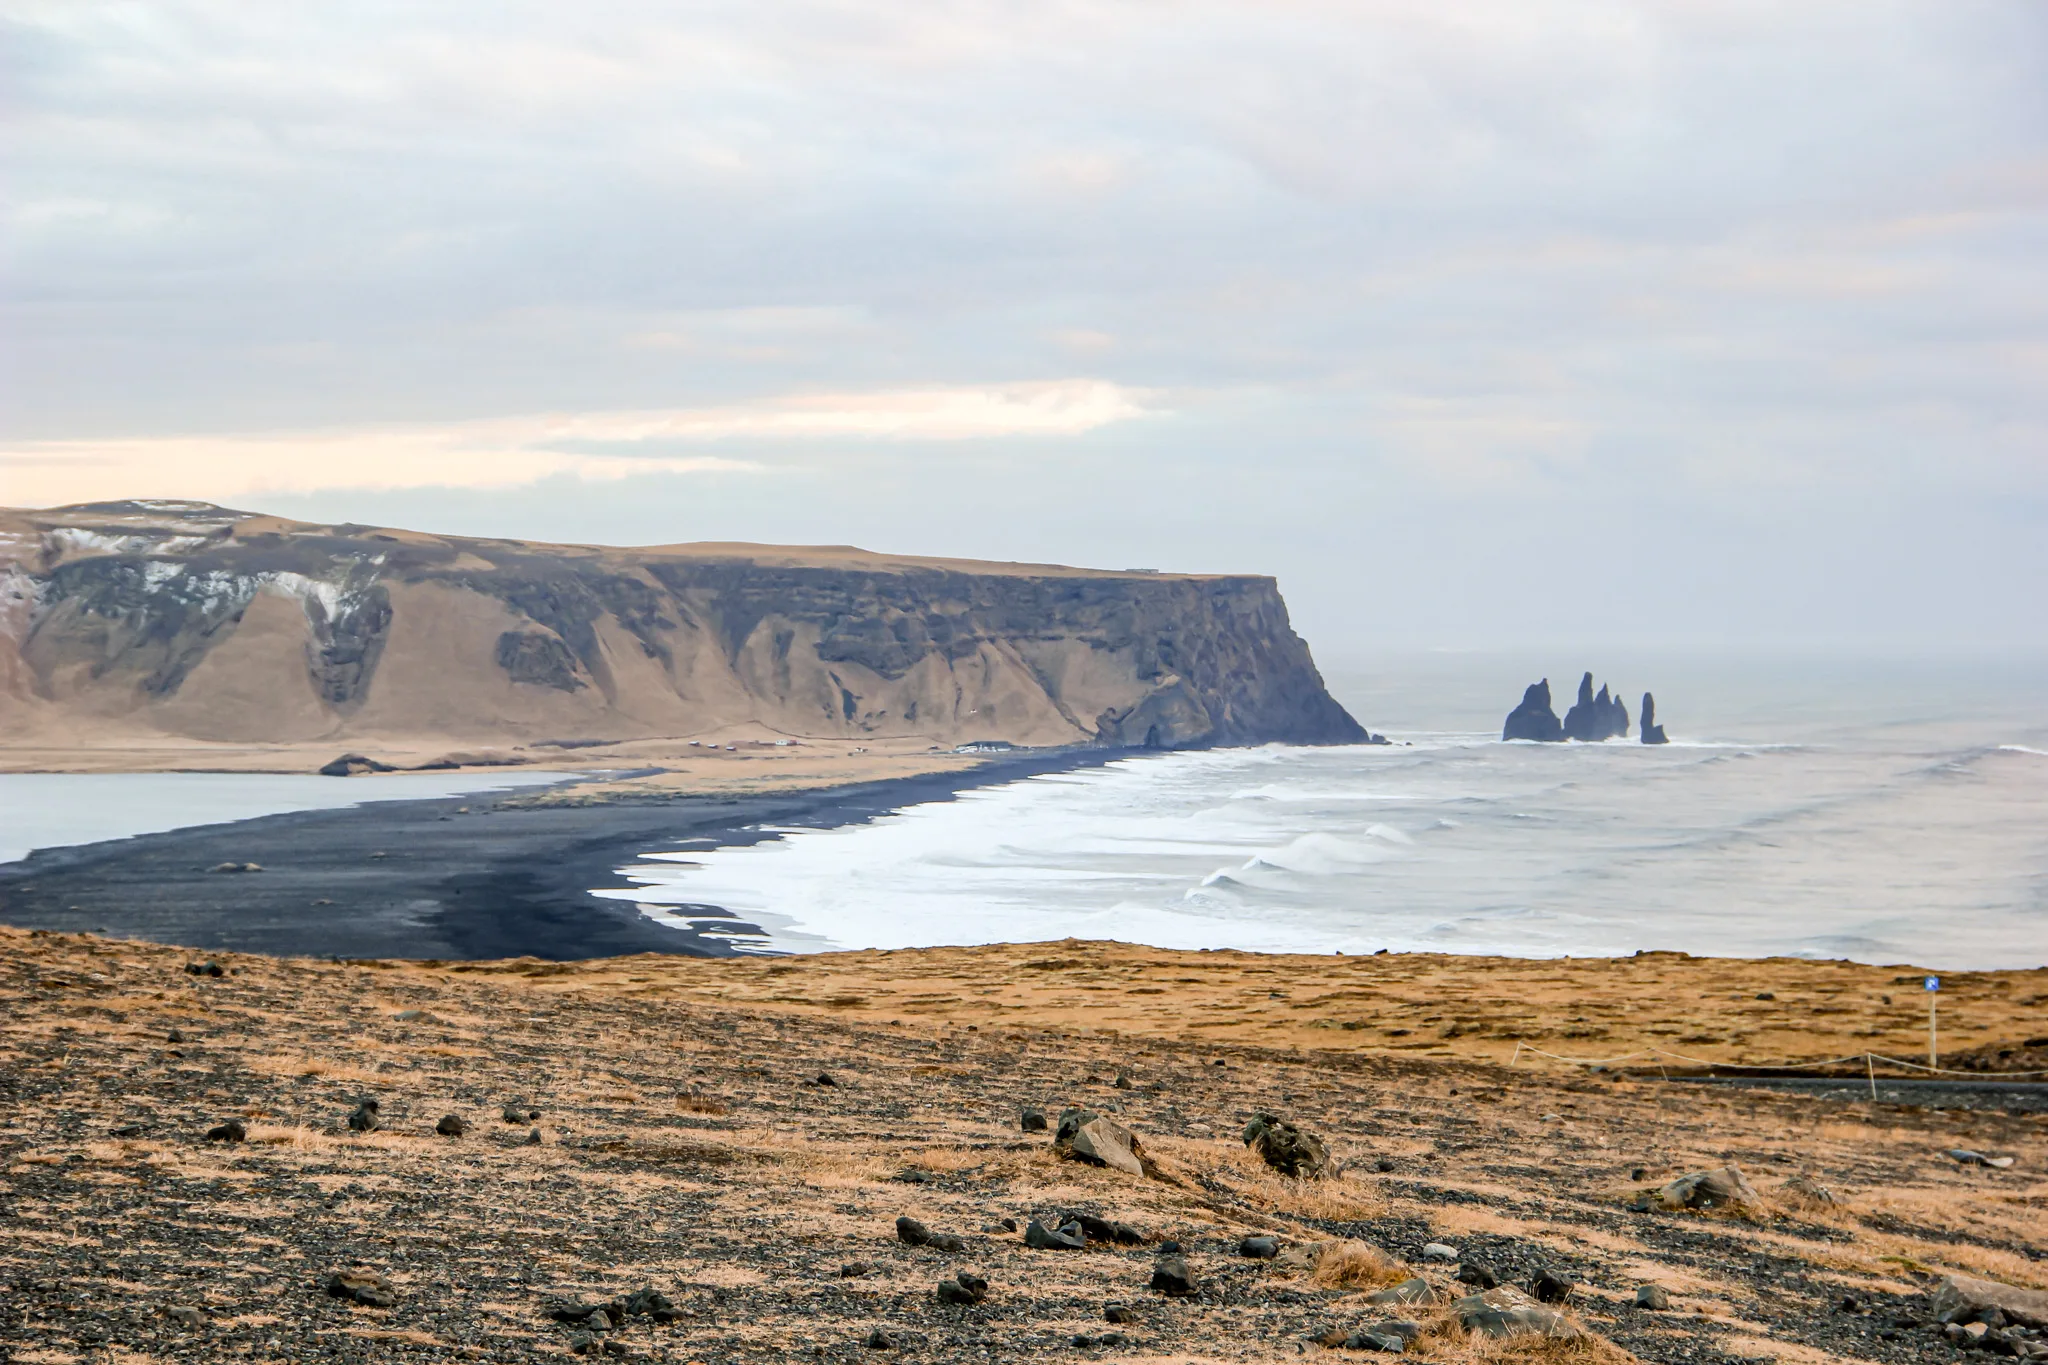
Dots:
{"x": 1534, "y": 718}
{"x": 1653, "y": 733}
{"x": 1594, "y": 718}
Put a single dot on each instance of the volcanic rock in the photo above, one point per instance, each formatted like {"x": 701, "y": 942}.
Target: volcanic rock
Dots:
{"x": 912, "y": 1233}
{"x": 1413, "y": 1290}
{"x": 350, "y": 765}
{"x": 1505, "y": 1311}
{"x": 1292, "y": 1151}
{"x": 1551, "y": 1286}
{"x": 365, "y": 1287}
{"x": 364, "y": 1119}
{"x": 1594, "y": 718}
{"x": 1117, "y": 1313}
{"x": 1652, "y": 1297}
{"x": 452, "y": 1125}
{"x": 1087, "y": 1136}
{"x": 1534, "y": 718}
{"x": 1259, "y": 1248}
{"x": 1963, "y": 1298}
{"x": 1171, "y": 1277}
{"x": 231, "y": 1131}
{"x": 1039, "y": 1237}
{"x": 964, "y": 1289}
{"x": 1477, "y": 1273}
{"x": 1653, "y": 733}
{"x": 1032, "y": 1120}
{"x": 1723, "y": 1188}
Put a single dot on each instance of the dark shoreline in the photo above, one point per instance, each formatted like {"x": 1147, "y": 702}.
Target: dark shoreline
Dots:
{"x": 422, "y": 879}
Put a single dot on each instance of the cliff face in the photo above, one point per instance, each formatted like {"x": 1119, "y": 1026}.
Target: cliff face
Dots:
{"x": 192, "y": 620}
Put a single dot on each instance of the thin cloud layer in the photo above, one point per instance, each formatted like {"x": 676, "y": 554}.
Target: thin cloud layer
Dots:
{"x": 1773, "y": 280}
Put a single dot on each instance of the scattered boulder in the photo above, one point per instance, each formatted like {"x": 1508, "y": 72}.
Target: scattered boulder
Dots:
{"x": 519, "y": 1113}
{"x": 1505, "y": 1311}
{"x": 912, "y": 1233}
{"x": 945, "y": 1241}
{"x": 452, "y": 1125}
{"x": 1594, "y": 718}
{"x": 231, "y": 1131}
{"x": 823, "y": 1078}
{"x": 1963, "y": 1156}
{"x": 1653, "y": 733}
{"x": 651, "y": 1302}
{"x": 1552, "y": 1286}
{"x": 879, "y": 1340}
{"x": 1965, "y": 1298}
{"x": 361, "y": 1286}
{"x": 1118, "y": 1313}
{"x": 204, "y": 969}
{"x": 364, "y": 1119}
{"x": 1724, "y": 1188}
{"x": 1171, "y": 1277}
{"x": 1478, "y": 1274}
{"x": 1439, "y": 1251}
{"x": 186, "y": 1317}
{"x": 353, "y": 765}
{"x": 963, "y": 1289}
{"x": 1292, "y": 1151}
{"x": 1087, "y": 1136}
{"x": 1392, "y": 1337}
{"x": 1259, "y": 1248}
{"x": 1103, "y": 1230}
{"x": 533, "y": 1137}
{"x": 1534, "y": 718}
{"x": 1413, "y": 1290}
{"x": 1032, "y": 1120}
{"x": 1652, "y": 1297}
{"x": 1039, "y": 1237}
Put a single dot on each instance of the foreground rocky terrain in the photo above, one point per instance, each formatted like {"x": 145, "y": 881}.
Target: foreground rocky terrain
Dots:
{"x": 547, "y": 1139}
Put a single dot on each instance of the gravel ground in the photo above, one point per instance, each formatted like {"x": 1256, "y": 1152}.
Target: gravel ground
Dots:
{"x": 691, "y": 1148}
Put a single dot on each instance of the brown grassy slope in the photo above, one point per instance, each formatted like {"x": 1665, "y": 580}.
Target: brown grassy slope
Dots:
{"x": 683, "y": 1149}
{"x": 1431, "y": 1005}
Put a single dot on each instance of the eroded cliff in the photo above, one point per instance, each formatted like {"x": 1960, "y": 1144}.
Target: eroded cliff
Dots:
{"x": 192, "y": 620}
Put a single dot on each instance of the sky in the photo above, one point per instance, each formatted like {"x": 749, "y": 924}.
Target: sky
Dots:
{"x": 1479, "y": 323}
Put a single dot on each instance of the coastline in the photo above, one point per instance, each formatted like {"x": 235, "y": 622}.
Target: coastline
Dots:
{"x": 453, "y": 879}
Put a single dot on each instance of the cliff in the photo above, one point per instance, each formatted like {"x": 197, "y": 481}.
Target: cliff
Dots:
{"x": 185, "y": 619}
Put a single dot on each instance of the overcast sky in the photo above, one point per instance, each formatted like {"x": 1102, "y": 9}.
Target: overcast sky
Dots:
{"x": 1700, "y": 323}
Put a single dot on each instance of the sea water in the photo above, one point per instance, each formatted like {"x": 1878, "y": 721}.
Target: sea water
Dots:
{"x": 1883, "y": 813}
{"x": 56, "y": 810}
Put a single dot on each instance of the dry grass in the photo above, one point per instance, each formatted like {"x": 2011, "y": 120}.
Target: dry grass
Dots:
{"x": 1356, "y": 1265}
{"x": 702, "y": 1104}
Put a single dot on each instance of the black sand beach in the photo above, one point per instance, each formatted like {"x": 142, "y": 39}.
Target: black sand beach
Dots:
{"x": 433, "y": 880}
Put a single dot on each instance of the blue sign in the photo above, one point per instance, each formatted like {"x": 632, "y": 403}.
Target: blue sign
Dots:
{"x": 1933, "y": 983}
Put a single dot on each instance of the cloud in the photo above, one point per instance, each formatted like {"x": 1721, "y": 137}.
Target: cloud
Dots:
{"x": 505, "y": 451}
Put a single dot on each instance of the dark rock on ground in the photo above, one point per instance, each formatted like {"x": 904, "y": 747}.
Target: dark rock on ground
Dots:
{"x": 1415, "y": 1290}
{"x": 1032, "y": 1120}
{"x": 350, "y": 765}
{"x": 364, "y": 1119}
{"x": 203, "y": 969}
{"x": 1722, "y": 1188}
{"x": 1653, "y": 733}
{"x": 879, "y": 1340}
{"x": 945, "y": 1241}
{"x": 1534, "y": 718}
{"x": 185, "y": 1316}
{"x": 1104, "y": 1230}
{"x": 1290, "y": 1150}
{"x": 910, "y": 1232}
{"x": 964, "y": 1289}
{"x": 452, "y": 1125}
{"x": 1505, "y": 1311}
{"x": 1551, "y": 1286}
{"x": 366, "y": 1287}
{"x": 1652, "y": 1297}
{"x": 1477, "y": 1273}
{"x": 1172, "y": 1277}
{"x": 854, "y": 1270}
{"x": 231, "y": 1131}
{"x": 1039, "y": 1237}
{"x": 1117, "y": 1313}
{"x": 1087, "y": 1136}
{"x": 1259, "y": 1248}
{"x": 1594, "y": 718}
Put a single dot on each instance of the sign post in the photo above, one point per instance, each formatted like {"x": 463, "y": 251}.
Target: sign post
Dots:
{"x": 1933, "y": 984}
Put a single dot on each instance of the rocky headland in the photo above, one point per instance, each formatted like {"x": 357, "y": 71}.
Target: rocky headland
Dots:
{"x": 150, "y": 621}
{"x": 1112, "y": 1156}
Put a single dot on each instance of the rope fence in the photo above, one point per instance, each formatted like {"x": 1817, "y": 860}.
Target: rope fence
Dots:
{"x": 1869, "y": 1060}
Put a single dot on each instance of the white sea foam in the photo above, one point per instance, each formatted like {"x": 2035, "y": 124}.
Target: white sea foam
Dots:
{"x": 1858, "y": 842}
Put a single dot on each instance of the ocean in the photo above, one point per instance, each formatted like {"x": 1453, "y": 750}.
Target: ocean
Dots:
{"x": 1824, "y": 809}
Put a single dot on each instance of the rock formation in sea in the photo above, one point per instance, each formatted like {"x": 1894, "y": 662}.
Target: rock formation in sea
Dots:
{"x": 186, "y": 619}
{"x": 1594, "y": 718}
{"x": 1653, "y": 733}
{"x": 1534, "y": 718}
